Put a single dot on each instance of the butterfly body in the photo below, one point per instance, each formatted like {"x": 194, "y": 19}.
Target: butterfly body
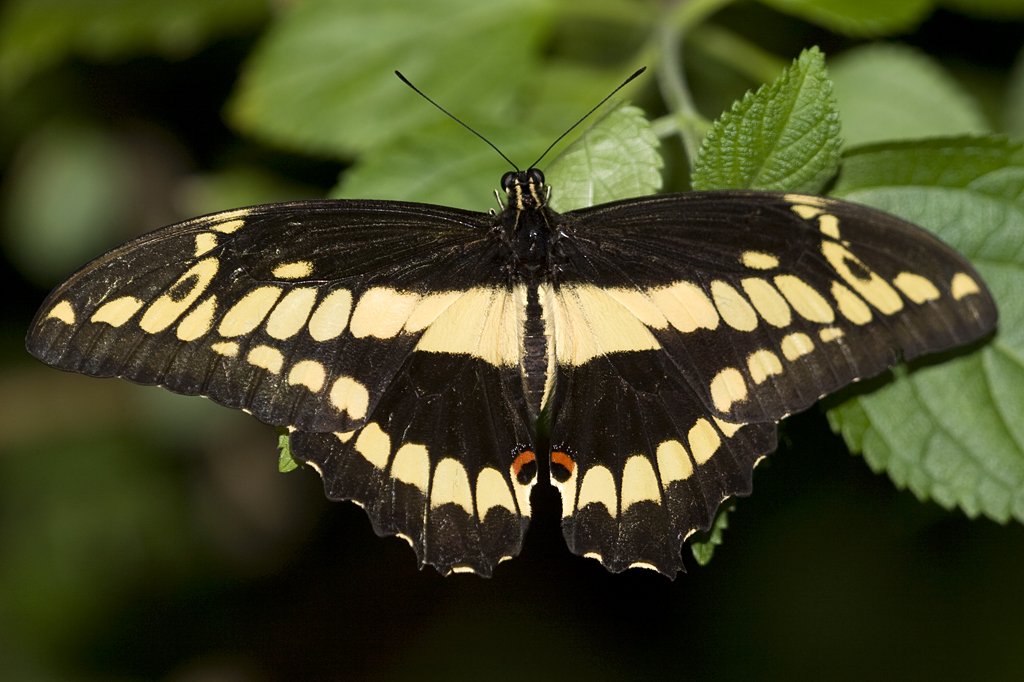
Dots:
{"x": 410, "y": 349}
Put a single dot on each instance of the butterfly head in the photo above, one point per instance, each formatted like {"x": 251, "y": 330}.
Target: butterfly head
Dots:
{"x": 525, "y": 189}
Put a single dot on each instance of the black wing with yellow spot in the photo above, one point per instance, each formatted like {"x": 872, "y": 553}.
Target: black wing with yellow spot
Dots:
{"x": 687, "y": 325}
{"x": 334, "y": 319}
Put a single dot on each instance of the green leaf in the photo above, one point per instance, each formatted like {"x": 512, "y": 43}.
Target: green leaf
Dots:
{"x": 617, "y": 158}
{"x": 784, "y": 136}
{"x": 952, "y": 432}
{"x": 322, "y": 78}
{"x": 35, "y": 34}
{"x": 440, "y": 164}
{"x": 704, "y": 548}
{"x": 858, "y": 17}
{"x": 408, "y": 168}
{"x": 285, "y": 462}
{"x": 889, "y": 92}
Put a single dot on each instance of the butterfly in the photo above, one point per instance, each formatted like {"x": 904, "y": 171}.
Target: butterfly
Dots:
{"x": 433, "y": 364}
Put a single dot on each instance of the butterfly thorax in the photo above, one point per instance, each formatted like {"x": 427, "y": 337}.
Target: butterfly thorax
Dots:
{"x": 527, "y": 226}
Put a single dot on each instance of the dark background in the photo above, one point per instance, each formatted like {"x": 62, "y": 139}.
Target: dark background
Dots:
{"x": 149, "y": 536}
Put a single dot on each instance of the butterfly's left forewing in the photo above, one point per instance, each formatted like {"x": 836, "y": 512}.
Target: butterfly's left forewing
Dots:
{"x": 367, "y": 328}
{"x": 686, "y": 326}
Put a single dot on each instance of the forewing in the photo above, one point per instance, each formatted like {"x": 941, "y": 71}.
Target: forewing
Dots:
{"x": 686, "y": 312}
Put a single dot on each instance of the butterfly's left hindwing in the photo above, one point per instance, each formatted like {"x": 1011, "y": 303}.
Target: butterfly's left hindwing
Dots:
{"x": 686, "y": 326}
{"x": 366, "y": 328}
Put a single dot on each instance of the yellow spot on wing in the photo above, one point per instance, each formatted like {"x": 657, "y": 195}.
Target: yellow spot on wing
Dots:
{"x": 850, "y": 304}
{"x": 205, "y": 242}
{"x": 729, "y": 429}
{"x": 566, "y": 490}
{"x": 830, "y": 334}
{"x": 758, "y": 260}
{"x": 247, "y": 314}
{"x": 198, "y": 321}
{"x": 685, "y": 306}
{"x": 804, "y": 211}
{"x": 598, "y": 487}
{"x": 673, "y": 462}
{"x": 732, "y": 307}
{"x": 828, "y": 224}
{"x": 308, "y": 373}
{"x": 808, "y": 199}
{"x": 225, "y": 348}
{"x": 796, "y": 345}
{"x": 291, "y": 313}
{"x": 872, "y": 288}
{"x": 639, "y": 484}
{"x": 451, "y": 485}
{"x": 293, "y": 270}
{"x": 768, "y": 302}
{"x": 805, "y": 299}
{"x": 348, "y": 395}
{"x": 963, "y": 285}
{"x": 118, "y": 311}
{"x": 727, "y": 389}
{"x": 374, "y": 445}
{"x": 381, "y": 312}
{"x": 331, "y": 317}
{"x": 164, "y": 311}
{"x": 266, "y": 357}
{"x": 492, "y": 491}
{"x": 228, "y": 226}
{"x": 762, "y": 364}
{"x": 915, "y": 287}
{"x": 62, "y": 311}
{"x": 704, "y": 440}
{"x": 412, "y": 466}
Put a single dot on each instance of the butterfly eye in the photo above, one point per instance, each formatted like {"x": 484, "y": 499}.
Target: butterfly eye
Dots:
{"x": 535, "y": 176}
{"x": 508, "y": 181}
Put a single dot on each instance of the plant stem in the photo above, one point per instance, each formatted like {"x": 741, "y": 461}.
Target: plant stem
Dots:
{"x": 672, "y": 83}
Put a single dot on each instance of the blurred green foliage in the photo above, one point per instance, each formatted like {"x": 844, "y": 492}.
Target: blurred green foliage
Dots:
{"x": 147, "y": 536}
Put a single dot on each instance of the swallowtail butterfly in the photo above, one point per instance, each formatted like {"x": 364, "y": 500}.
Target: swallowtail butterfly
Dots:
{"x": 432, "y": 363}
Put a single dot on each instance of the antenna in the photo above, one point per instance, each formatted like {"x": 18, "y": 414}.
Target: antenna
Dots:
{"x": 584, "y": 116}
{"x": 455, "y": 118}
{"x": 492, "y": 145}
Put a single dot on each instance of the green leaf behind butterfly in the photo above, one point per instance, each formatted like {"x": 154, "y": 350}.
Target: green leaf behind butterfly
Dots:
{"x": 285, "y": 461}
{"x": 784, "y": 136}
{"x": 616, "y": 158}
{"x": 322, "y": 76}
{"x": 858, "y": 17}
{"x": 952, "y": 432}
{"x": 704, "y": 544}
{"x": 891, "y": 92}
